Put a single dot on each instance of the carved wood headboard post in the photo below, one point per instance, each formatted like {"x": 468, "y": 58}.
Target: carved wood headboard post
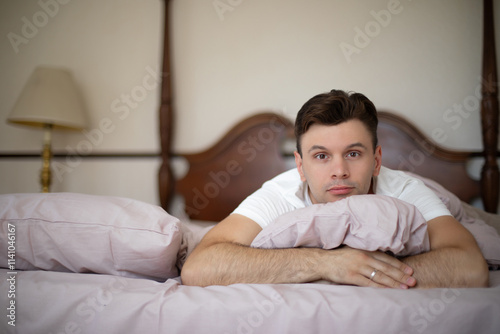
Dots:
{"x": 489, "y": 113}
{"x": 165, "y": 175}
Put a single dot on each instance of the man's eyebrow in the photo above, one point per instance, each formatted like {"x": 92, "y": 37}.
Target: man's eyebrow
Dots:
{"x": 350, "y": 146}
{"x": 317, "y": 147}
{"x": 357, "y": 145}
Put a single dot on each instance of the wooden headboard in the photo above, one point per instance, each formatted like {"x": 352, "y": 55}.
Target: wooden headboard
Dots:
{"x": 220, "y": 177}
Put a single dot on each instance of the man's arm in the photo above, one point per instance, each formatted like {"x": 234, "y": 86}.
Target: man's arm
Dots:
{"x": 454, "y": 260}
{"x": 224, "y": 257}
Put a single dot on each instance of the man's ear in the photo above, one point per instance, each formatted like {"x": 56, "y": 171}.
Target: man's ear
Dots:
{"x": 378, "y": 160}
{"x": 298, "y": 162}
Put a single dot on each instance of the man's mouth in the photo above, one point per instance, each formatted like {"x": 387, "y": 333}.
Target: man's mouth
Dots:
{"x": 340, "y": 190}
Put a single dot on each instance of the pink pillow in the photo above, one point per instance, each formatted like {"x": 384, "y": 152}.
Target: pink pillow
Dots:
{"x": 86, "y": 233}
{"x": 479, "y": 223}
{"x": 369, "y": 222}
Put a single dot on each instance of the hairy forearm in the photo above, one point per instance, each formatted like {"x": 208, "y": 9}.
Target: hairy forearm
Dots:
{"x": 228, "y": 263}
{"x": 448, "y": 267}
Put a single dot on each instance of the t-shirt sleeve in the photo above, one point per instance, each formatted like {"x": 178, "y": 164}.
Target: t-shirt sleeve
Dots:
{"x": 427, "y": 202}
{"x": 264, "y": 205}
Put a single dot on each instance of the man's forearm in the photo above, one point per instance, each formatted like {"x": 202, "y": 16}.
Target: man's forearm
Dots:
{"x": 228, "y": 263}
{"x": 448, "y": 267}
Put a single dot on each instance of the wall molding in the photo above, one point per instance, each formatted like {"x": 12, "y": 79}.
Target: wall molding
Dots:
{"x": 103, "y": 155}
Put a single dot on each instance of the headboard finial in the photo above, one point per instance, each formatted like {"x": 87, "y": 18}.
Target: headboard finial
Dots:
{"x": 489, "y": 113}
{"x": 165, "y": 174}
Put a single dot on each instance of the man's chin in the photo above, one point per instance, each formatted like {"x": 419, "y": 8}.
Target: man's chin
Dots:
{"x": 338, "y": 197}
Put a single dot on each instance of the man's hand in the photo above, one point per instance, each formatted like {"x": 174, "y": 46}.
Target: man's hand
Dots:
{"x": 355, "y": 267}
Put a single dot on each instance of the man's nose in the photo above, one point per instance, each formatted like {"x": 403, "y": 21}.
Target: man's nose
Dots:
{"x": 339, "y": 168}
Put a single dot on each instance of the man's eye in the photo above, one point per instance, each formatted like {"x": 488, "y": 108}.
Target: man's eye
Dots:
{"x": 353, "y": 154}
{"x": 320, "y": 156}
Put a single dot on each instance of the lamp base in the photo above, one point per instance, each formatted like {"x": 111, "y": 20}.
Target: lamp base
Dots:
{"x": 46, "y": 174}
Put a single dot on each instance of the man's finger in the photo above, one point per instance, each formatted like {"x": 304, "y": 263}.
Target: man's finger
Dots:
{"x": 391, "y": 272}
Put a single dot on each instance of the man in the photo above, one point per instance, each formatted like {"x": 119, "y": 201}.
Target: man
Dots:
{"x": 337, "y": 156}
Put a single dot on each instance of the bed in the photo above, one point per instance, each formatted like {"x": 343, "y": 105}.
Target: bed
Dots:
{"x": 75, "y": 263}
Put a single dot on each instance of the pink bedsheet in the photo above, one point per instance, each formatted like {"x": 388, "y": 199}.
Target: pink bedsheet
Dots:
{"x": 54, "y": 302}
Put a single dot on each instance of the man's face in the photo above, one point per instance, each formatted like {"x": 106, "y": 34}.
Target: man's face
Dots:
{"x": 338, "y": 161}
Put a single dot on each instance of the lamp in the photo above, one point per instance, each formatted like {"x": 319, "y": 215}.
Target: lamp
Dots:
{"x": 50, "y": 101}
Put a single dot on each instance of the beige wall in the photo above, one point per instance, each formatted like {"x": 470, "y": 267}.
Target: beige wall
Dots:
{"x": 232, "y": 58}
{"x": 113, "y": 50}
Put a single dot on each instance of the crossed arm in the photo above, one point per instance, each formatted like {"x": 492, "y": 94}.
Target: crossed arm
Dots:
{"x": 224, "y": 257}
{"x": 455, "y": 259}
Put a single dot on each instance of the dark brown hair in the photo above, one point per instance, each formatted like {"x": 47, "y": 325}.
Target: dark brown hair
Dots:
{"x": 334, "y": 108}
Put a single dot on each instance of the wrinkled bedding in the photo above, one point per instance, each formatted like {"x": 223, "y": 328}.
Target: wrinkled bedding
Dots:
{"x": 56, "y": 302}
{"x": 75, "y": 270}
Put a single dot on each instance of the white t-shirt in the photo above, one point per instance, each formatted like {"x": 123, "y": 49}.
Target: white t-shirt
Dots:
{"x": 286, "y": 192}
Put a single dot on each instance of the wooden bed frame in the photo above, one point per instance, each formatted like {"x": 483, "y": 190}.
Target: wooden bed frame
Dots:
{"x": 220, "y": 177}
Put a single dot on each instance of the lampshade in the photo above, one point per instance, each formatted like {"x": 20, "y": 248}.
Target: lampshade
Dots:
{"x": 50, "y": 97}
